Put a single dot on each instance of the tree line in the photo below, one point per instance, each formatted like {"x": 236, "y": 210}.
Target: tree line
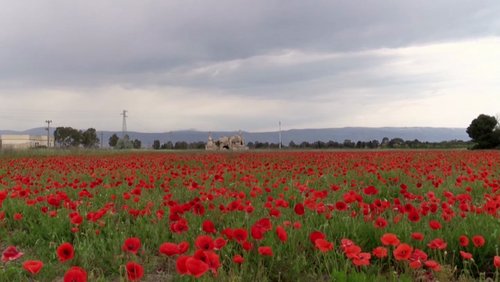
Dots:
{"x": 124, "y": 143}
{"x": 68, "y": 137}
{"x": 346, "y": 144}
{"x": 484, "y": 132}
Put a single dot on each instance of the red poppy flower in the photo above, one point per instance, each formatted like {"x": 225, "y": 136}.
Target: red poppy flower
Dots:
{"x": 212, "y": 259}
{"x": 345, "y": 243}
{"x": 437, "y": 243}
{"x": 299, "y": 209}
{"x": 180, "y": 226}
{"x": 297, "y": 225}
{"x": 432, "y": 264}
{"x": 65, "y": 252}
{"x": 247, "y": 246}
{"x": 18, "y": 216}
{"x": 402, "y": 252}
{"x": 240, "y": 235}
{"x": 389, "y": 239}
{"x": 196, "y": 267}
{"x": 75, "y": 274}
{"x": 417, "y": 236}
{"x": 265, "y": 251}
{"x": 265, "y": 224}
{"x": 135, "y": 271}
{"x": 413, "y": 216}
{"x": 465, "y": 255}
{"x": 209, "y": 227}
{"x": 228, "y": 232}
{"x": 478, "y": 241}
{"x": 257, "y": 232}
{"x": 76, "y": 219}
{"x": 281, "y": 232}
{"x": 219, "y": 243}
{"x": 238, "y": 259}
{"x": 352, "y": 251}
{"x": 180, "y": 264}
{"x": 132, "y": 245}
{"x": 435, "y": 225}
{"x": 323, "y": 245}
{"x": 315, "y": 235}
{"x": 33, "y": 266}
{"x": 183, "y": 247}
{"x": 361, "y": 259}
{"x": 169, "y": 249}
{"x": 496, "y": 261}
{"x": 463, "y": 240}
{"x": 204, "y": 242}
{"x": 11, "y": 253}
{"x": 418, "y": 255}
{"x": 380, "y": 223}
{"x": 416, "y": 264}
{"x": 341, "y": 206}
{"x": 380, "y": 252}
{"x": 370, "y": 190}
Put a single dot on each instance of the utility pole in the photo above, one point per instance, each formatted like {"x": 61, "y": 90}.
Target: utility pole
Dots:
{"x": 102, "y": 137}
{"x": 48, "y": 132}
{"x": 279, "y": 145}
{"x": 124, "y": 123}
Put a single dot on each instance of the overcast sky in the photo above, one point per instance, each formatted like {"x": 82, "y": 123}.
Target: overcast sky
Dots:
{"x": 229, "y": 65}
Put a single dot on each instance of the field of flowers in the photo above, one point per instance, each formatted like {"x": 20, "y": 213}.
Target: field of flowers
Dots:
{"x": 253, "y": 216}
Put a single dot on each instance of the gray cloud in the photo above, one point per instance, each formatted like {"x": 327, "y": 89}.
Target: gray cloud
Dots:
{"x": 321, "y": 63}
{"x": 88, "y": 40}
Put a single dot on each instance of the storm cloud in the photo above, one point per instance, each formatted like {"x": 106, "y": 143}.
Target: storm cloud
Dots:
{"x": 227, "y": 65}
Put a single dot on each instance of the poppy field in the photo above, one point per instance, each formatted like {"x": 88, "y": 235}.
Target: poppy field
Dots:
{"x": 251, "y": 216}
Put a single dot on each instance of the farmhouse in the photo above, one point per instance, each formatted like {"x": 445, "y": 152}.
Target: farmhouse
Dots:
{"x": 11, "y": 141}
{"x": 233, "y": 143}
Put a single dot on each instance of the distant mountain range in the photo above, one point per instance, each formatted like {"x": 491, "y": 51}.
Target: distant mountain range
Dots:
{"x": 430, "y": 134}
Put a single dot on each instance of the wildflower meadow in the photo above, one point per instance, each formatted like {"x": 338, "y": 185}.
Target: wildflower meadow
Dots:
{"x": 251, "y": 216}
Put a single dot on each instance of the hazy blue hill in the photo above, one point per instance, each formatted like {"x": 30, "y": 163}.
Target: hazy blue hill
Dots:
{"x": 431, "y": 134}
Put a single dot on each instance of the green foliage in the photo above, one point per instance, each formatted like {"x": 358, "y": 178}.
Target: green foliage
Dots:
{"x": 167, "y": 146}
{"x": 124, "y": 143}
{"x": 113, "y": 140}
{"x": 67, "y": 137}
{"x": 137, "y": 144}
{"x": 89, "y": 138}
{"x": 156, "y": 144}
{"x": 484, "y": 132}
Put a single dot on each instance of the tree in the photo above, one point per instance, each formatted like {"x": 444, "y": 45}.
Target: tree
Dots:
{"x": 89, "y": 138}
{"x": 113, "y": 140}
{"x": 349, "y": 144}
{"x": 168, "y": 146}
{"x": 124, "y": 143}
{"x": 396, "y": 143}
{"x": 484, "y": 132}
{"x": 385, "y": 142}
{"x": 67, "y": 137}
{"x": 181, "y": 145}
{"x": 156, "y": 144}
{"x": 137, "y": 144}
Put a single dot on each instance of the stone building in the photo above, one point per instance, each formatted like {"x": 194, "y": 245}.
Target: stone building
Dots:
{"x": 232, "y": 143}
